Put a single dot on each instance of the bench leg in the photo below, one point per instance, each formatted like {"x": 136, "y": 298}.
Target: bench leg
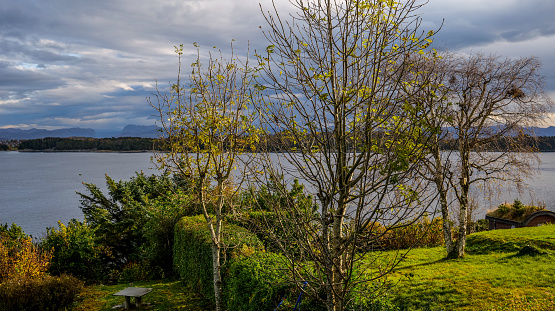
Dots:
{"x": 138, "y": 302}
{"x": 127, "y": 304}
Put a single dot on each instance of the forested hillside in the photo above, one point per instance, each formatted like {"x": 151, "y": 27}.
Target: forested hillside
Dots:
{"x": 542, "y": 144}
{"x": 90, "y": 144}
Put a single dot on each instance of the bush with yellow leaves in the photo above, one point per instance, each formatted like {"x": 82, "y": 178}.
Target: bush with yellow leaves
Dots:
{"x": 22, "y": 259}
{"x": 24, "y": 283}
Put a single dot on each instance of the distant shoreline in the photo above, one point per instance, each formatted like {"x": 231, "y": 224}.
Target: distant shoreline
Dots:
{"x": 86, "y": 150}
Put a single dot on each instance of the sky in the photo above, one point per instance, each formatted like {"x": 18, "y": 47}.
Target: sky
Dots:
{"x": 92, "y": 64}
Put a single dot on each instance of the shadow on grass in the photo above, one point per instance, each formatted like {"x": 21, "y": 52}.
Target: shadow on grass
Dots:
{"x": 429, "y": 263}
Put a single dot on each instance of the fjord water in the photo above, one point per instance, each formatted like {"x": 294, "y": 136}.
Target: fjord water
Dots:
{"x": 38, "y": 189}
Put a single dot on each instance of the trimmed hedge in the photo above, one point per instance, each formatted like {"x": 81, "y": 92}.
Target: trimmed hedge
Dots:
{"x": 268, "y": 227}
{"x": 193, "y": 251}
{"x": 253, "y": 279}
{"x": 251, "y": 286}
{"x": 257, "y": 282}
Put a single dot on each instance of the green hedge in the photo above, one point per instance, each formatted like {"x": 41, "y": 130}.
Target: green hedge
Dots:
{"x": 258, "y": 282}
{"x": 193, "y": 251}
{"x": 270, "y": 228}
{"x": 260, "y": 222}
{"x": 252, "y": 279}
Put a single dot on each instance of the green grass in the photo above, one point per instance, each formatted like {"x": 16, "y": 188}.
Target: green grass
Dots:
{"x": 494, "y": 274}
{"x": 511, "y": 240}
{"x": 166, "y": 295}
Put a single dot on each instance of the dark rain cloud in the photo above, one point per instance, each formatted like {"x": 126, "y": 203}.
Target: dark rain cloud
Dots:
{"x": 28, "y": 51}
{"x": 474, "y": 23}
{"x": 18, "y": 80}
{"x": 67, "y": 63}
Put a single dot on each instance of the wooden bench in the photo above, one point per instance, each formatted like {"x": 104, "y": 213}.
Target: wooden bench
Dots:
{"x": 136, "y": 292}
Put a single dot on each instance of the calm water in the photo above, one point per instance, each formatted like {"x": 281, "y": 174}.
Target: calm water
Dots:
{"x": 38, "y": 189}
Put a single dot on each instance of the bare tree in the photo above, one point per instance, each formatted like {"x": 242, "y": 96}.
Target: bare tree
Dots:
{"x": 481, "y": 107}
{"x": 206, "y": 126}
{"x": 332, "y": 76}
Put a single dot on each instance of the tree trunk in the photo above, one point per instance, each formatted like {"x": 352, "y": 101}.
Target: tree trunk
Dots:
{"x": 215, "y": 230}
{"x": 439, "y": 179}
{"x": 326, "y": 251}
{"x": 445, "y": 219}
{"x": 463, "y": 216}
{"x": 458, "y": 250}
{"x": 217, "y": 276}
{"x": 339, "y": 264}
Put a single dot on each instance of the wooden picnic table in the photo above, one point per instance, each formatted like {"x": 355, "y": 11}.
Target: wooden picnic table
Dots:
{"x": 136, "y": 292}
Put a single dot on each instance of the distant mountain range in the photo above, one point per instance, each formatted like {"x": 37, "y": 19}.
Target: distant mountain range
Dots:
{"x": 541, "y": 131}
{"x": 12, "y": 133}
{"x": 145, "y": 131}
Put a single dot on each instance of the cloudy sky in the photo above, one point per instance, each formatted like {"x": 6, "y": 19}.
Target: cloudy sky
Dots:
{"x": 91, "y": 64}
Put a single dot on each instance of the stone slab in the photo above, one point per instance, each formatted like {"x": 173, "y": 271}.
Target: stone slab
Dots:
{"x": 133, "y": 292}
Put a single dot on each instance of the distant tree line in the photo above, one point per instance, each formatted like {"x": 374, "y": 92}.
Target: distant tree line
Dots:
{"x": 8, "y": 145}
{"x": 545, "y": 143}
{"x": 542, "y": 143}
{"x": 107, "y": 144}
{"x": 280, "y": 141}
{"x": 539, "y": 144}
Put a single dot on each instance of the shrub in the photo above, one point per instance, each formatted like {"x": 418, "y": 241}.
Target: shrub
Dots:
{"x": 119, "y": 218}
{"x": 193, "y": 251}
{"x": 12, "y": 235}
{"x": 275, "y": 215}
{"x": 44, "y": 293}
{"x": 478, "y": 226}
{"x": 259, "y": 282}
{"x": 140, "y": 271}
{"x": 22, "y": 260}
{"x": 503, "y": 208}
{"x": 75, "y": 250}
{"x": 518, "y": 205}
{"x": 420, "y": 233}
{"x": 162, "y": 216}
{"x": 135, "y": 220}
{"x": 273, "y": 231}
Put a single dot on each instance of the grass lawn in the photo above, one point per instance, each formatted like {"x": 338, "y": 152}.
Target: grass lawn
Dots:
{"x": 165, "y": 295}
{"x": 492, "y": 276}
